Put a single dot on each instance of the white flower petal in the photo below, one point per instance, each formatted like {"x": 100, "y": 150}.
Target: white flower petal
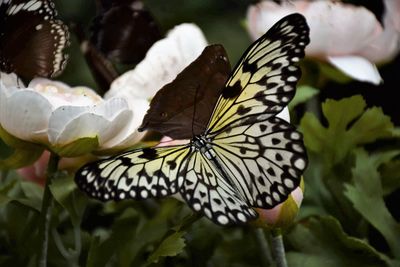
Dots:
{"x": 164, "y": 60}
{"x": 10, "y": 79}
{"x": 60, "y": 94}
{"x": 92, "y": 125}
{"x": 358, "y": 68}
{"x": 68, "y": 123}
{"x": 129, "y": 135}
{"x": 24, "y": 114}
{"x": 335, "y": 28}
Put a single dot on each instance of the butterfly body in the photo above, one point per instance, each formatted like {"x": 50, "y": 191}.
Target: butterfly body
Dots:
{"x": 246, "y": 157}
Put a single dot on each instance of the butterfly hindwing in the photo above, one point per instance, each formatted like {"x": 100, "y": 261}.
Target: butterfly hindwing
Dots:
{"x": 265, "y": 159}
{"x": 137, "y": 174}
{"x": 206, "y": 191}
{"x": 264, "y": 80}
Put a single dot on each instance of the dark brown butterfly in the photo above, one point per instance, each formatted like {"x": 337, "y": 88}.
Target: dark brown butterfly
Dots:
{"x": 31, "y": 39}
{"x": 182, "y": 108}
{"x": 102, "y": 69}
{"x": 124, "y": 31}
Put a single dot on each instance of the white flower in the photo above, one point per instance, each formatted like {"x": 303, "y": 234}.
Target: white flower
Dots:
{"x": 349, "y": 37}
{"x": 163, "y": 62}
{"x": 56, "y": 115}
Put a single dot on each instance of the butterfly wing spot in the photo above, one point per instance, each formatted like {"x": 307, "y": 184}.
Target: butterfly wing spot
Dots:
{"x": 240, "y": 216}
{"x": 172, "y": 164}
{"x": 281, "y": 189}
{"x": 197, "y": 206}
{"x": 300, "y": 163}
{"x": 144, "y": 193}
{"x": 288, "y": 183}
{"x": 222, "y": 219}
{"x": 276, "y": 196}
{"x": 268, "y": 200}
{"x": 278, "y": 157}
{"x": 233, "y": 91}
{"x": 148, "y": 153}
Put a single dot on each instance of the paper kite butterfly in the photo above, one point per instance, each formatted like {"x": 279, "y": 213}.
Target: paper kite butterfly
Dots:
{"x": 31, "y": 38}
{"x": 246, "y": 157}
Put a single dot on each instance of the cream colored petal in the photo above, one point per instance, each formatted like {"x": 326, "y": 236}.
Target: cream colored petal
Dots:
{"x": 11, "y": 79}
{"x": 129, "y": 135}
{"x": 69, "y": 123}
{"x": 24, "y": 114}
{"x": 91, "y": 125}
{"x": 335, "y": 27}
{"x": 358, "y": 68}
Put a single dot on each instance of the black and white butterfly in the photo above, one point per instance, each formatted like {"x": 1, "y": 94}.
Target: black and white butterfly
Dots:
{"x": 247, "y": 157}
{"x": 31, "y": 38}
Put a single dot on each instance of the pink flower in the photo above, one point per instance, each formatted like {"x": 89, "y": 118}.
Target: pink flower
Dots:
{"x": 283, "y": 214}
{"x": 36, "y": 172}
{"x": 349, "y": 37}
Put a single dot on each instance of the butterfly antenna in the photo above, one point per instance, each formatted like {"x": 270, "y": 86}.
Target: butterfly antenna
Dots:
{"x": 194, "y": 109}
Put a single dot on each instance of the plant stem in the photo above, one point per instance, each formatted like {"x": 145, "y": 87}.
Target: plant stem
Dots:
{"x": 3, "y": 175}
{"x": 278, "y": 248}
{"x": 266, "y": 258}
{"x": 47, "y": 207}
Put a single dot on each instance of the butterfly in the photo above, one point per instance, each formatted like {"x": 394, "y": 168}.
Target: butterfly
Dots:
{"x": 31, "y": 39}
{"x": 123, "y": 30}
{"x": 174, "y": 114}
{"x": 246, "y": 157}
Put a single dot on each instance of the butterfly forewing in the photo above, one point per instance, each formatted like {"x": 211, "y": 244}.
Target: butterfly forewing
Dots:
{"x": 138, "y": 174}
{"x": 264, "y": 80}
{"x": 31, "y": 39}
{"x": 265, "y": 159}
{"x": 183, "y": 107}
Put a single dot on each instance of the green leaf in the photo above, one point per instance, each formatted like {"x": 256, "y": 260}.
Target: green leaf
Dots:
{"x": 390, "y": 175}
{"x": 170, "y": 246}
{"x": 20, "y": 158}
{"x": 92, "y": 255}
{"x": 303, "y": 94}
{"x": 122, "y": 232}
{"x": 5, "y": 150}
{"x": 66, "y": 194}
{"x": 333, "y": 73}
{"x": 320, "y": 241}
{"x": 78, "y": 147}
{"x": 349, "y": 125}
{"x": 27, "y": 194}
{"x": 366, "y": 194}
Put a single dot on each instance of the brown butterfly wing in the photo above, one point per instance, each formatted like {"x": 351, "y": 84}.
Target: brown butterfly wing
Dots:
{"x": 124, "y": 31}
{"x": 31, "y": 39}
{"x": 183, "y": 115}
